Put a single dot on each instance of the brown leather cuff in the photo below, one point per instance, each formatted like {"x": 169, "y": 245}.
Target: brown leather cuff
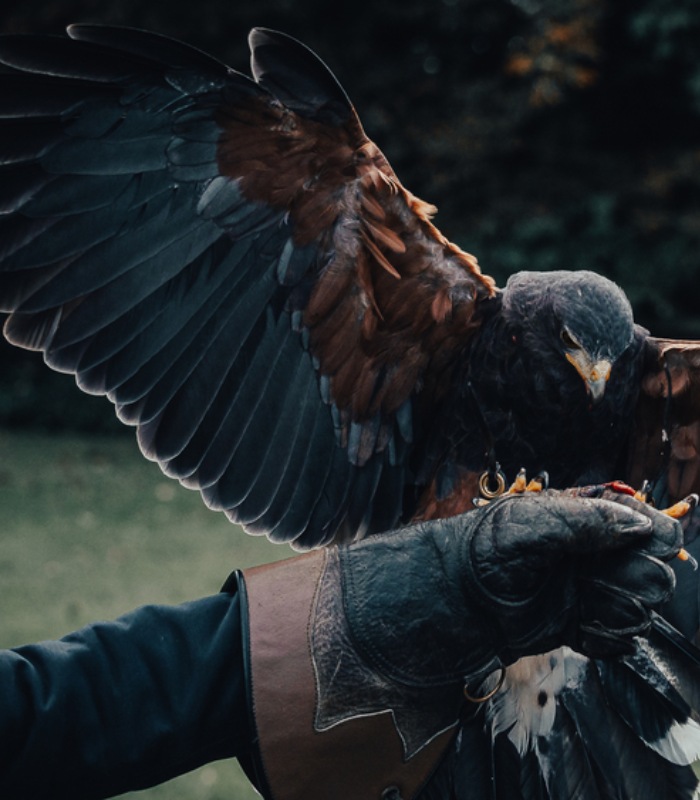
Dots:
{"x": 361, "y": 756}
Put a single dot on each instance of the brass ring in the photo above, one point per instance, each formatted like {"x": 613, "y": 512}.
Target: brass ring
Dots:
{"x": 488, "y": 695}
{"x": 486, "y": 492}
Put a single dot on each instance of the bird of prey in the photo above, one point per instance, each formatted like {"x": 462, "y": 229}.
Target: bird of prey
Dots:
{"x": 235, "y": 265}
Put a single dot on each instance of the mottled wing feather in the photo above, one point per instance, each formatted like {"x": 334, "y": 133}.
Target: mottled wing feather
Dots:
{"x": 564, "y": 726}
{"x": 234, "y": 264}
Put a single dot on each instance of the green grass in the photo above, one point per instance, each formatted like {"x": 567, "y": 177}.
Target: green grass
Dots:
{"x": 90, "y": 531}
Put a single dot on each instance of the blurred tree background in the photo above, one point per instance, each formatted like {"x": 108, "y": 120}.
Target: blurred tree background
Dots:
{"x": 550, "y": 133}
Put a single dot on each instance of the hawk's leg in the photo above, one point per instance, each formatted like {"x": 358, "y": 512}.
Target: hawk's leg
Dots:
{"x": 520, "y": 485}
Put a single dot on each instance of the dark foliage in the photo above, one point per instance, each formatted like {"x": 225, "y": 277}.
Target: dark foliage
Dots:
{"x": 550, "y": 133}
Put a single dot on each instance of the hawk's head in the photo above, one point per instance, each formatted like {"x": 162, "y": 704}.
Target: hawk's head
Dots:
{"x": 579, "y": 316}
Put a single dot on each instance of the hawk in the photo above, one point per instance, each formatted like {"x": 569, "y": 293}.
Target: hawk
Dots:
{"x": 235, "y": 265}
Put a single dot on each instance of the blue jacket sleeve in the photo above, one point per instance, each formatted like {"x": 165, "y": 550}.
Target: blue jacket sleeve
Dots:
{"x": 123, "y": 705}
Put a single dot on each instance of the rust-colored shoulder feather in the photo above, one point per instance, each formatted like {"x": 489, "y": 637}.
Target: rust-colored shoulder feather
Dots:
{"x": 389, "y": 287}
{"x": 666, "y": 441}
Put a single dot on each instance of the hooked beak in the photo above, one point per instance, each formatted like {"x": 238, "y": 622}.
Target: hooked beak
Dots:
{"x": 594, "y": 374}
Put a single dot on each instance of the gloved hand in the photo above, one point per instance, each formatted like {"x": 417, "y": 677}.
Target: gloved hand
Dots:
{"x": 401, "y": 621}
{"x": 527, "y": 573}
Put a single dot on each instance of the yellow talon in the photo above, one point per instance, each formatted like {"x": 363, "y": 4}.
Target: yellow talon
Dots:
{"x": 677, "y": 510}
{"x": 519, "y": 485}
{"x": 536, "y": 485}
{"x": 684, "y": 555}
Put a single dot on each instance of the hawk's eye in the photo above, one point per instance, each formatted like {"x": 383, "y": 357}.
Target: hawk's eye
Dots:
{"x": 569, "y": 340}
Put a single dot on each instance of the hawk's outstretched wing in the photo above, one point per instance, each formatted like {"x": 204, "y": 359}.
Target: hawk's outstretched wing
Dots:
{"x": 234, "y": 264}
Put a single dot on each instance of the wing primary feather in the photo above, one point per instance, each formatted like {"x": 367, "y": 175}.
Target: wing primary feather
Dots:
{"x": 29, "y": 97}
{"x": 238, "y": 322}
{"x": 59, "y": 57}
{"x": 66, "y": 197}
{"x": 679, "y": 665}
{"x": 121, "y": 347}
{"x": 364, "y": 488}
{"x": 655, "y": 712}
{"x": 507, "y": 766}
{"x": 331, "y": 476}
{"x": 676, "y": 641}
{"x": 617, "y": 755}
{"x": 154, "y": 47}
{"x": 388, "y": 498}
{"x": 283, "y": 495}
{"x": 316, "y": 463}
{"x": 19, "y": 183}
{"x": 115, "y": 349}
{"x": 144, "y": 395}
{"x": 275, "y": 450}
{"x": 250, "y": 397}
{"x": 565, "y": 765}
{"x": 210, "y": 363}
{"x": 22, "y": 141}
{"x": 92, "y": 157}
{"x": 14, "y": 292}
{"x": 69, "y": 238}
{"x": 141, "y": 275}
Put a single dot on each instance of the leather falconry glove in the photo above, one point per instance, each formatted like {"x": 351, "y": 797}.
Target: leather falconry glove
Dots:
{"x": 359, "y": 655}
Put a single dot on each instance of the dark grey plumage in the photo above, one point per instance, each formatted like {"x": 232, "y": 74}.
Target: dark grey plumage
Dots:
{"x": 526, "y": 372}
{"x": 229, "y": 260}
